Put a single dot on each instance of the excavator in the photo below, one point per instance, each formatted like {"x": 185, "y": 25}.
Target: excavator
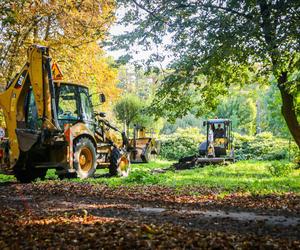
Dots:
{"x": 51, "y": 124}
{"x": 144, "y": 146}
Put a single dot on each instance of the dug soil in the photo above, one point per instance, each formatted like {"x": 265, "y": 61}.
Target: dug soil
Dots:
{"x": 71, "y": 215}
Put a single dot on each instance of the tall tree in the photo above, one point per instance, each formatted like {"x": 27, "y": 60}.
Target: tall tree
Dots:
{"x": 216, "y": 43}
{"x": 89, "y": 65}
{"x": 241, "y": 110}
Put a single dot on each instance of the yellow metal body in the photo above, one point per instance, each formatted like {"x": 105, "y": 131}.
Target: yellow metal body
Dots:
{"x": 144, "y": 147}
{"x": 12, "y": 99}
{"x": 49, "y": 144}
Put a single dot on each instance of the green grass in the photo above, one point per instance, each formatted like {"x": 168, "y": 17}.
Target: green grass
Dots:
{"x": 243, "y": 176}
{"x": 6, "y": 178}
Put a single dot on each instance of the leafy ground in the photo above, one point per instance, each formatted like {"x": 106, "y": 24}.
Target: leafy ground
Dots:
{"x": 244, "y": 176}
{"x": 238, "y": 206}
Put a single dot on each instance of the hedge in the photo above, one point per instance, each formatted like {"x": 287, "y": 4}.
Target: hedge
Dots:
{"x": 264, "y": 146}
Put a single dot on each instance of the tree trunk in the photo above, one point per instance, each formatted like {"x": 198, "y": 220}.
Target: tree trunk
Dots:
{"x": 288, "y": 109}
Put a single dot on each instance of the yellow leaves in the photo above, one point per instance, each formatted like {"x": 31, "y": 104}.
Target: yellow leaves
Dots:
{"x": 89, "y": 66}
{"x": 61, "y": 24}
{"x": 148, "y": 229}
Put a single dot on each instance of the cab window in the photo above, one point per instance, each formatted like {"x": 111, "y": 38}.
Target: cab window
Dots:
{"x": 86, "y": 106}
{"x": 67, "y": 103}
{"x": 31, "y": 112}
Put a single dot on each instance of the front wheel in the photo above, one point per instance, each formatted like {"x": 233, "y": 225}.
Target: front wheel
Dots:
{"x": 84, "y": 158}
{"x": 119, "y": 163}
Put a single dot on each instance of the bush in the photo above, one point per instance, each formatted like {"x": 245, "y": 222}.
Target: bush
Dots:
{"x": 142, "y": 177}
{"x": 297, "y": 160}
{"x": 183, "y": 142}
{"x": 263, "y": 146}
{"x": 278, "y": 168}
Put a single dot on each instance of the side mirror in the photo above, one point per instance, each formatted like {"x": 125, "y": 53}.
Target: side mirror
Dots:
{"x": 102, "y": 114}
{"x": 102, "y": 98}
{"x": 204, "y": 123}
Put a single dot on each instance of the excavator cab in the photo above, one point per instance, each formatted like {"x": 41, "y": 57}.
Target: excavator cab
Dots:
{"x": 218, "y": 144}
{"x": 74, "y": 104}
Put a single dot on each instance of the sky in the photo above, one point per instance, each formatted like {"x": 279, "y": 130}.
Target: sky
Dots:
{"x": 138, "y": 53}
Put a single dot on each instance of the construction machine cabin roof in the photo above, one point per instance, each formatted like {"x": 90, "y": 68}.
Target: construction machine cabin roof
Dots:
{"x": 216, "y": 121}
{"x": 59, "y": 82}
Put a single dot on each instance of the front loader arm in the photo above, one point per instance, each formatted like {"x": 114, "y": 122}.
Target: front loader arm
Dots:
{"x": 35, "y": 73}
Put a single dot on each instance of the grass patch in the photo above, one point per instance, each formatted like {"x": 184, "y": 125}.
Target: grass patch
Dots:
{"x": 6, "y": 178}
{"x": 244, "y": 176}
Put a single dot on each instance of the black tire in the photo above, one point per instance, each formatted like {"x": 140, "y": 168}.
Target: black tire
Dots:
{"x": 114, "y": 167}
{"x": 84, "y": 158}
{"x": 29, "y": 174}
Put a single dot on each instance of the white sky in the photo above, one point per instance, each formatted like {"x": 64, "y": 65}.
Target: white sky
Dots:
{"x": 139, "y": 54}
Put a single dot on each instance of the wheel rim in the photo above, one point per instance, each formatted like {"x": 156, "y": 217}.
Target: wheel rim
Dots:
{"x": 85, "y": 159}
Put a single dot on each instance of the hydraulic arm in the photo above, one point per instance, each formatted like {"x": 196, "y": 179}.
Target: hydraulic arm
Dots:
{"x": 35, "y": 76}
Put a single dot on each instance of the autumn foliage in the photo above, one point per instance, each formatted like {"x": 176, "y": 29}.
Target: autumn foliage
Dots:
{"x": 71, "y": 29}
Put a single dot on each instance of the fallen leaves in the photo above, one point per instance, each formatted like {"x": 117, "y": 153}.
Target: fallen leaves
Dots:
{"x": 203, "y": 197}
{"x": 77, "y": 215}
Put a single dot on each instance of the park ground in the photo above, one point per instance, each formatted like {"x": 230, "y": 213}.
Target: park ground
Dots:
{"x": 219, "y": 207}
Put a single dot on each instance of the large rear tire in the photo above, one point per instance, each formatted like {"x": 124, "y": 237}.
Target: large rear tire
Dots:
{"x": 119, "y": 163}
{"x": 84, "y": 158}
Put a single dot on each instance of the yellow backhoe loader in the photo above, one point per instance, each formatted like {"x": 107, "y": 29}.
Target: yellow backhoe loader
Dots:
{"x": 51, "y": 124}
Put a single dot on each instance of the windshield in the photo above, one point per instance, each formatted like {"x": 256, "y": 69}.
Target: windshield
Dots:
{"x": 73, "y": 104}
{"x": 67, "y": 103}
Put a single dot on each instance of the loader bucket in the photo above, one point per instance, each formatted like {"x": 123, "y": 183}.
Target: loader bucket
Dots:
{"x": 141, "y": 153}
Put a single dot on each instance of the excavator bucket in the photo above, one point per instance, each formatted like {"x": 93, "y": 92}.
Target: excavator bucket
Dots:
{"x": 143, "y": 147}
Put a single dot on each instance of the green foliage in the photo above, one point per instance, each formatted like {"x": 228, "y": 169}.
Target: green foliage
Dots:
{"x": 6, "y": 178}
{"x": 278, "y": 168}
{"x": 128, "y": 108}
{"x": 216, "y": 44}
{"x": 183, "y": 142}
{"x": 143, "y": 177}
{"x": 135, "y": 80}
{"x": 244, "y": 176}
{"x": 271, "y": 112}
{"x": 263, "y": 146}
{"x": 190, "y": 120}
{"x": 297, "y": 160}
{"x": 241, "y": 110}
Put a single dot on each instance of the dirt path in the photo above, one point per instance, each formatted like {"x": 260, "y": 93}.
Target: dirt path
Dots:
{"x": 73, "y": 215}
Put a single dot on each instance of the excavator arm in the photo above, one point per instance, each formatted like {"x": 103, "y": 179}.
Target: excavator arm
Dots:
{"x": 35, "y": 76}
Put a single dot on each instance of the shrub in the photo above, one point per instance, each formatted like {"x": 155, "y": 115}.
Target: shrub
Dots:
{"x": 142, "y": 177}
{"x": 279, "y": 168}
{"x": 297, "y": 160}
{"x": 183, "y": 142}
{"x": 264, "y": 146}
